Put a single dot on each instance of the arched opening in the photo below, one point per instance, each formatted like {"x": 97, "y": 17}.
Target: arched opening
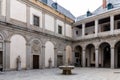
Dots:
{"x": 106, "y": 54}
{"x": 36, "y": 50}
{"x": 90, "y": 55}
{"x": 78, "y": 56}
{"x": 68, "y": 55}
{"x": 117, "y": 54}
{"x": 49, "y": 54}
{"x": 17, "y": 49}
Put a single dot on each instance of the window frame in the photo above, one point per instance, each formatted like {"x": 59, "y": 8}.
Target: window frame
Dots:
{"x": 38, "y": 22}
{"x": 59, "y": 29}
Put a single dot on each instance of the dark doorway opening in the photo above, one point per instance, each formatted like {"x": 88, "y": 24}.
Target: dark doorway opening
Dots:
{"x": 1, "y": 61}
{"x": 35, "y": 61}
{"x": 106, "y": 55}
{"x": 118, "y": 56}
{"x": 59, "y": 60}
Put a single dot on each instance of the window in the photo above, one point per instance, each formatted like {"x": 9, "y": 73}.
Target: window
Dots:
{"x": 76, "y": 32}
{"x": 35, "y": 20}
{"x": 118, "y": 25}
{"x": 60, "y": 29}
{"x": 106, "y": 27}
{"x": 109, "y": 6}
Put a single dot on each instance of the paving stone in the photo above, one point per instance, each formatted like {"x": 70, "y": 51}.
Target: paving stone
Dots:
{"x": 55, "y": 74}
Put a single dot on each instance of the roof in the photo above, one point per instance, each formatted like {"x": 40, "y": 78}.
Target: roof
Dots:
{"x": 60, "y": 9}
{"x": 100, "y": 10}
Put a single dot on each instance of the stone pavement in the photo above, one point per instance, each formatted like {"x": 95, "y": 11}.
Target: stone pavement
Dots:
{"x": 55, "y": 74}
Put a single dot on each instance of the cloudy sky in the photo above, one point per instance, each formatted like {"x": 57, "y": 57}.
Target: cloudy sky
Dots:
{"x": 79, "y": 7}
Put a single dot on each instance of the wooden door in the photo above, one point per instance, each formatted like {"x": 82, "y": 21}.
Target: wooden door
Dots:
{"x": 59, "y": 60}
{"x": 35, "y": 61}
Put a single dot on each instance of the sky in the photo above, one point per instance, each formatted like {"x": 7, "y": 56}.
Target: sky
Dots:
{"x": 80, "y": 7}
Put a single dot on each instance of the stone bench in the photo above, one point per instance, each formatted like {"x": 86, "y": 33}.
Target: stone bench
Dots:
{"x": 66, "y": 69}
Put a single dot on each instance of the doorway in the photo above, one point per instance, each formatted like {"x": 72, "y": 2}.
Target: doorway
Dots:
{"x": 35, "y": 61}
{"x": 59, "y": 60}
{"x": 1, "y": 57}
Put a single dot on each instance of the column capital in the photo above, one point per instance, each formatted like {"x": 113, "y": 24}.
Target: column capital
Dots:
{"x": 7, "y": 41}
{"x": 55, "y": 48}
{"x": 43, "y": 46}
{"x": 27, "y": 44}
{"x": 112, "y": 47}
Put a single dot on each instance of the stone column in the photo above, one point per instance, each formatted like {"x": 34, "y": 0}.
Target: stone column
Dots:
{"x": 83, "y": 58}
{"x": 6, "y": 55}
{"x": 28, "y": 56}
{"x": 28, "y": 15}
{"x": 96, "y": 58}
{"x": 7, "y": 10}
{"x": 112, "y": 58}
{"x": 83, "y": 29}
{"x": 112, "y": 24}
{"x": 43, "y": 56}
{"x": 55, "y": 57}
{"x": 96, "y": 28}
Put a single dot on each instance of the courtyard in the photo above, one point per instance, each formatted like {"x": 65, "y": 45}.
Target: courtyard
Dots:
{"x": 55, "y": 74}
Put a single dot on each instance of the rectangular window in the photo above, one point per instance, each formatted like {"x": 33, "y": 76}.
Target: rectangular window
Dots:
{"x": 106, "y": 27}
{"x": 59, "y": 29}
{"x": 76, "y": 32}
{"x": 118, "y": 25}
{"x": 35, "y": 20}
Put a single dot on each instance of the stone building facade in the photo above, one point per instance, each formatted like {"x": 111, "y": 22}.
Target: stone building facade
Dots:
{"x": 96, "y": 36}
{"x": 44, "y": 34}
{"x": 35, "y": 31}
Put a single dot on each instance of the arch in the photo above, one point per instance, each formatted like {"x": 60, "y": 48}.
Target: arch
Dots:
{"x": 78, "y": 56}
{"x": 90, "y": 55}
{"x": 68, "y": 54}
{"x": 17, "y": 48}
{"x": 105, "y": 54}
{"x": 117, "y": 54}
{"x": 11, "y": 35}
{"x": 49, "y": 54}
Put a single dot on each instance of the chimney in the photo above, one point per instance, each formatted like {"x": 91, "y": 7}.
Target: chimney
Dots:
{"x": 104, "y": 4}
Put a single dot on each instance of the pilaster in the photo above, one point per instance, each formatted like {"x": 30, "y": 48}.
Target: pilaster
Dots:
{"x": 28, "y": 56}
{"x": 28, "y": 15}
{"x": 43, "y": 56}
{"x": 6, "y": 53}
{"x": 7, "y": 10}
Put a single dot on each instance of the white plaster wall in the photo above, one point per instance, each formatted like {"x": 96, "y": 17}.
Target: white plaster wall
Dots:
{"x": 61, "y": 23}
{"x": 18, "y": 10}
{"x": 3, "y": 7}
{"x": 49, "y": 22}
{"x": 68, "y": 54}
{"x": 68, "y": 30}
{"x": 17, "y": 48}
{"x": 49, "y": 53}
{"x": 36, "y": 12}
